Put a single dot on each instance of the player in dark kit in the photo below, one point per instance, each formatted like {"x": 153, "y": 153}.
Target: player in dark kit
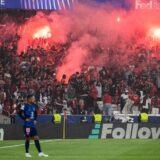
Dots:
{"x": 28, "y": 113}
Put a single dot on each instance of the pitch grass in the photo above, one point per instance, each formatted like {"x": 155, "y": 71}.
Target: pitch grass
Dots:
{"x": 87, "y": 150}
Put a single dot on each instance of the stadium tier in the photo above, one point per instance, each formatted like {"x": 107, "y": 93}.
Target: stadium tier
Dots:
{"x": 110, "y": 67}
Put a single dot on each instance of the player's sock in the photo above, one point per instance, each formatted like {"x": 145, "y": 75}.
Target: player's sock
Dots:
{"x": 37, "y": 144}
{"x": 27, "y": 146}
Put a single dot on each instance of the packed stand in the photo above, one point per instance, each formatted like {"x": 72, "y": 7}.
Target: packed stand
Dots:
{"x": 124, "y": 87}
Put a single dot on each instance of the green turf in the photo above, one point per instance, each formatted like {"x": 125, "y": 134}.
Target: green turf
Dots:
{"x": 87, "y": 150}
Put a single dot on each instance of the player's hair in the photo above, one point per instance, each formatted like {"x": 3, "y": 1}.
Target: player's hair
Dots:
{"x": 29, "y": 96}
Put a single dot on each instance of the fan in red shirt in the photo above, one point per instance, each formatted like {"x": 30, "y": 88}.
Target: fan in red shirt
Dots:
{"x": 135, "y": 98}
{"x": 93, "y": 92}
{"x": 107, "y": 98}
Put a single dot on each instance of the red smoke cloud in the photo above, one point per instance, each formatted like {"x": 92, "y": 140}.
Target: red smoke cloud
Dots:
{"x": 89, "y": 27}
{"x": 44, "y": 32}
{"x": 52, "y": 27}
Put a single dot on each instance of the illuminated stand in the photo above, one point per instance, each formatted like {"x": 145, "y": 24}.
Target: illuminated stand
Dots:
{"x": 153, "y": 34}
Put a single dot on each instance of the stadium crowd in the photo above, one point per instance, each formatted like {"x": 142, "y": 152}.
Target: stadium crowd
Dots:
{"x": 137, "y": 84}
{"x": 126, "y": 87}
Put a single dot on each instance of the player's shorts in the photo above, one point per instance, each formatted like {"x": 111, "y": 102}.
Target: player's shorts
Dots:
{"x": 30, "y": 131}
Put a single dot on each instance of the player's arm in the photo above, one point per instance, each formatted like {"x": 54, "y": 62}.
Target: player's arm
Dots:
{"x": 22, "y": 114}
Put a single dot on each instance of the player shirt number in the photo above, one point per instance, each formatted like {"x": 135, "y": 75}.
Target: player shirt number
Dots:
{"x": 32, "y": 115}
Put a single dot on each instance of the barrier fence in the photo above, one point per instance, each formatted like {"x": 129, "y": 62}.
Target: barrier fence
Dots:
{"x": 76, "y": 119}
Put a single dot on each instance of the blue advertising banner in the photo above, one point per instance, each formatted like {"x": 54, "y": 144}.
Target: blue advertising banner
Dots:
{"x": 38, "y": 4}
{"x": 68, "y": 4}
{"x": 10, "y": 4}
